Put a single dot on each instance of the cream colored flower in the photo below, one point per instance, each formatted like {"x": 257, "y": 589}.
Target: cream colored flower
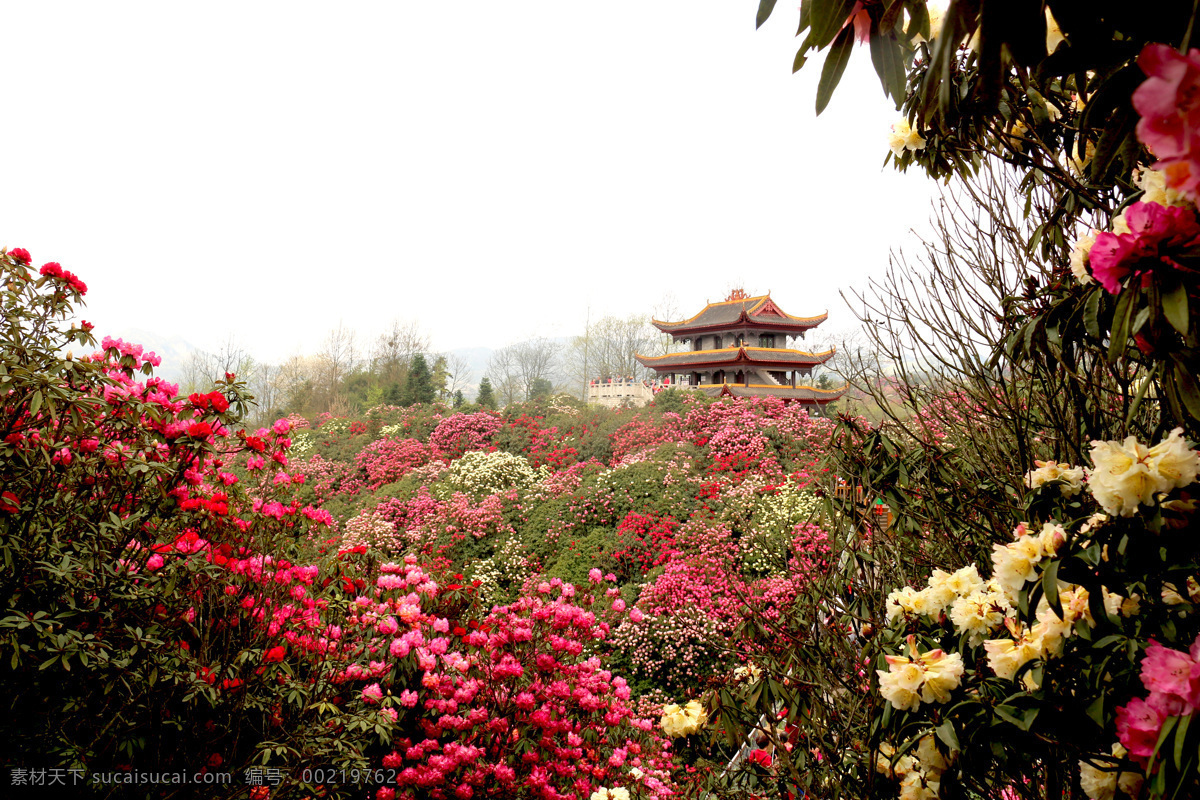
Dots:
{"x": 902, "y": 137}
{"x": 684, "y": 721}
{"x": 887, "y": 764}
{"x": 920, "y": 677}
{"x": 1102, "y": 784}
{"x": 965, "y": 581}
{"x": 931, "y": 759}
{"x": 1131, "y": 605}
{"x": 1173, "y": 463}
{"x": 1170, "y": 595}
{"x": 1120, "y": 224}
{"x": 1013, "y": 564}
{"x": 916, "y": 785}
{"x": 1122, "y": 479}
{"x": 1006, "y": 656}
{"x": 1047, "y": 471}
{"x": 610, "y": 794}
{"x": 978, "y": 614}
{"x": 1096, "y": 783}
{"x": 943, "y": 674}
{"x": 901, "y": 699}
{"x": 902, "y": 601}
{"x": 1153, "y": 184}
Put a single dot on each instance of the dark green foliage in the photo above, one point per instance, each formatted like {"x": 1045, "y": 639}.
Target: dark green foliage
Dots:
{"x": 419, "y": 388}
{"x": 486, "y": 398}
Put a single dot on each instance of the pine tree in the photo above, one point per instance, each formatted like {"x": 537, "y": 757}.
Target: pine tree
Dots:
{"x": 486, "y": 398}
{"x": 458, "y": 398}
{"x": 419, "y": 387}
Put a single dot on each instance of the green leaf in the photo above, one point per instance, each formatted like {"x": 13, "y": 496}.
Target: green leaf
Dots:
{"x": 36, "y": 402}
{"x": 1185, "y": 384}
{"x": 835, "y": 65}
{"x": 1180, "y": 735}
{"x": 1119, "y": 336}
{"x": 1168, "y": 726}
{"x": 887, "y": 55}
{"x": 765, "y": 7}
{"x": 1050, "y": 587}
{"x": 800, "y": 59}
{"x": 946, "y": 733}
{"x": 1175, "y": 305}
{"x": 1096, "y": 711}
{"x": 828, "y": 17}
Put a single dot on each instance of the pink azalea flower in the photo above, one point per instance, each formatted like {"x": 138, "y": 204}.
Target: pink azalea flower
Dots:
{"x": 1170, "y": 672}
{"x": 1155, "y": 232}
{"x": 1169, "y": 103}
{"x": 372, "y": 694}
{"x": 1138, "y": 724}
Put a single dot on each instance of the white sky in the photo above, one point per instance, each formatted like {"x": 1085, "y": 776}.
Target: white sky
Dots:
{"x": 489, "y": 169}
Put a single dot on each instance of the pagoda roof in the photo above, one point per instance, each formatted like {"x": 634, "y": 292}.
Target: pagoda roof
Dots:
{"x": 763, "y": 356}
{"x": 758, "y": 311}
{"x": 809, "y": 394}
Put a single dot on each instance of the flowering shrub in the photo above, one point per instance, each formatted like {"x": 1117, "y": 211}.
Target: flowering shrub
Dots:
{"x": 389, "y": 460}
{"x": 462, "y": 433}
{"x": 480, "y": 474}
{"x": 1061, "y": 616}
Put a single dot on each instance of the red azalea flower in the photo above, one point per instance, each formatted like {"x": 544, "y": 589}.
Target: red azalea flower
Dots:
{"x": 199, "y": 430}
{"x": 218, "y": 401}
{"x": 9, "y": 502}
{"x": 274, "y": 654}
{"x": 20, "y": 255}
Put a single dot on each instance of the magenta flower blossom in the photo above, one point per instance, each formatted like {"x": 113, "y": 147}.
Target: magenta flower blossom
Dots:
{"x": 1169, "y": 103}
{"x": 372, "y": 693}
{"x": 1155, "y": 233}
{"x": 1138, "y": 724}
{"x": 1170, "y": 672}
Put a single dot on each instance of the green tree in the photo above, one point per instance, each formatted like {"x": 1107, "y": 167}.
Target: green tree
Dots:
{"x": 419, "y": 388}
{"x": 459, "y": 400}
{"x": 540, "y": 387}
{"x": 486, "y": 397}
{"x": 441, "y": 372}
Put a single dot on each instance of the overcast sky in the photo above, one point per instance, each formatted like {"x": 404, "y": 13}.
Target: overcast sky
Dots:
{"x": 489, "y": 169}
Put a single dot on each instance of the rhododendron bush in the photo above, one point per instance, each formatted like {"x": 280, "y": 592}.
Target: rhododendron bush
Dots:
{"x": 170, "y": 604}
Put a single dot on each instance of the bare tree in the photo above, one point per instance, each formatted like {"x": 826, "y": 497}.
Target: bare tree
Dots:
{"x": 458, "y": 373}
{"x": 338, "y": 357}
{"x": 535, "y": 360}
{"x": 202, "y": 369}
{"x": 505, "y": 376}
{"x": 267, "y": 388}
{"x": 395, "y": 348}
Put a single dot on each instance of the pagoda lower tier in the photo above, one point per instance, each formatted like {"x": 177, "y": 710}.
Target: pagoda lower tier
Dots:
{"x": 745, "y": 371}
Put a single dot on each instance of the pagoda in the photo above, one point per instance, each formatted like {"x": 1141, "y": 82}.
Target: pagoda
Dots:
{"x": 739, "y": 348}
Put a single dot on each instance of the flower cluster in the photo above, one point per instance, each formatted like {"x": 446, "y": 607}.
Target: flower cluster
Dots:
{"x": 1128, "y": 474}
{"x": 683, "y": 720}
{"x": 920, "y": 677}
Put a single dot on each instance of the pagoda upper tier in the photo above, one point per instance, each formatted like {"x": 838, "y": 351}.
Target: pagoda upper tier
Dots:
{"x": 739, "y": 312}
